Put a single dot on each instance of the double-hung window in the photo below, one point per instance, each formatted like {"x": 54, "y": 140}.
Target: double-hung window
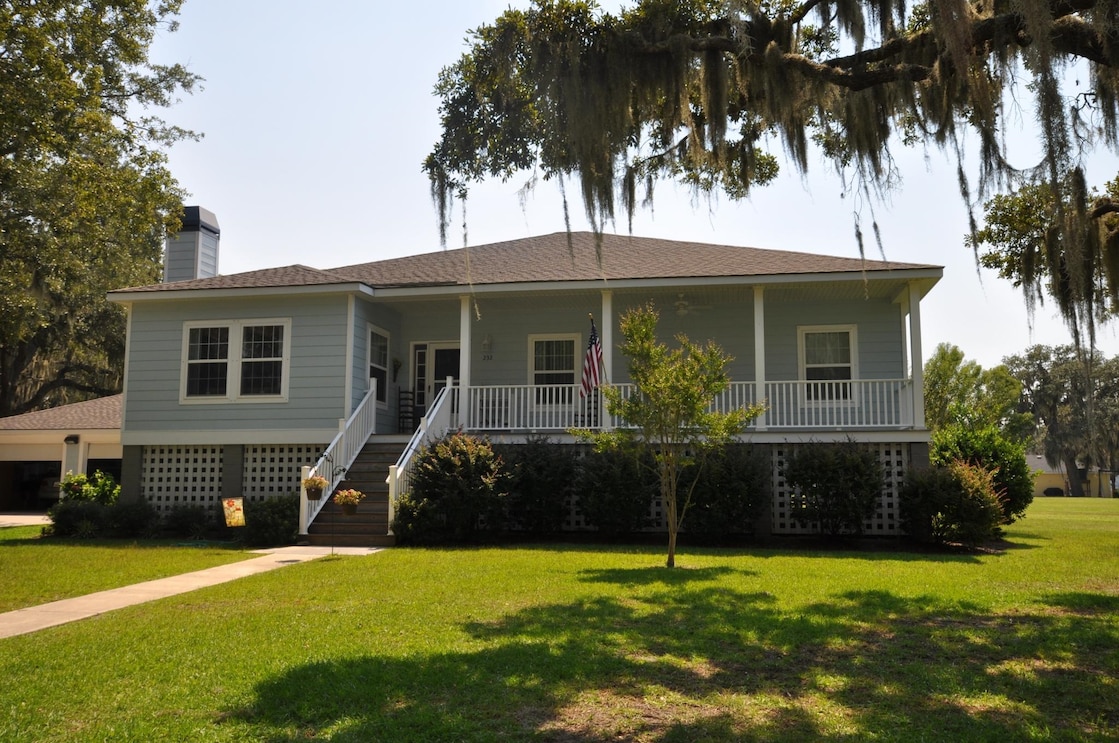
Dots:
{"x": 828, "y": 362}
{"x": 552, "y": 370}
{"x": 235, "y": 360}
{"x": 379, "y": 361}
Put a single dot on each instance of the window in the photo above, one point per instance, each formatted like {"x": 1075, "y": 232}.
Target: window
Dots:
{"x": 379, "y": 361}
{"x": 827, "y": 361}
{"x": 251, "y": 367}
{"x": 553, "y": 363}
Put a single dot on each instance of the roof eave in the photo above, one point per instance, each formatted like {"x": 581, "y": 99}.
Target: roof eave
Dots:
{"x": 927, "y": 277}
{"x": 128, "y": 297}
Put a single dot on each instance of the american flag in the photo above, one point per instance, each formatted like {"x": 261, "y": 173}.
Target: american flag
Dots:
{"x": 592, "y": 364}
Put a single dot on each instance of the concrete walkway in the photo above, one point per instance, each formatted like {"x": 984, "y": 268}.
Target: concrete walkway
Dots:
{"x": 23, "y": 519}
{"x": 33, "y": 618}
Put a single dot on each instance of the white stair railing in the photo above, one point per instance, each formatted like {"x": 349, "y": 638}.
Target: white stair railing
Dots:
{"x": 435, "y": 424}
{"x": 339, "y": 455}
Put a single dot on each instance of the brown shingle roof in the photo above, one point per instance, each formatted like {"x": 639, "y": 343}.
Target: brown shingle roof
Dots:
{"x": 557, "y": 257}
{"x": 103, "y": 412}
{"x": 296, "y": 275}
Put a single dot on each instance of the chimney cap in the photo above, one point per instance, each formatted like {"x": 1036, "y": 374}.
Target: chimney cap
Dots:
{"x": 196, "y": 218}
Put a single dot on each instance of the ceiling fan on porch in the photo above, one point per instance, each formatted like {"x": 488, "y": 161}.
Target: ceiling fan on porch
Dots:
{"x": 685, "y": 307}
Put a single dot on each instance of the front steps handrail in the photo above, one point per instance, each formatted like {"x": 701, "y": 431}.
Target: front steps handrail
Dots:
{"x": 433, "y": 425}
{"x": 339, "y": 455}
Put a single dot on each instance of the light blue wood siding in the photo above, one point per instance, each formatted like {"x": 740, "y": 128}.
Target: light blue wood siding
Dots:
{"x": 880, "y": 335}
{"x": 316, "y": 368}
{"x": 389, "y": 320}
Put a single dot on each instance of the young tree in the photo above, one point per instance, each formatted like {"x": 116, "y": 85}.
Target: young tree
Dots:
{"x": 962, "y": 392}
{"x": 85, "y": 195}
{"x": 670, "y": 409}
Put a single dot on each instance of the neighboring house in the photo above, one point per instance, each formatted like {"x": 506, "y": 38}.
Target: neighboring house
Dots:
{"x": 233, "y": 383}
{"x": 38, "y": 448}
{"x": 1052, "y": 479}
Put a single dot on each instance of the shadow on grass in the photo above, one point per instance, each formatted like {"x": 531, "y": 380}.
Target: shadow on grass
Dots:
{"x": 674, "y": 663}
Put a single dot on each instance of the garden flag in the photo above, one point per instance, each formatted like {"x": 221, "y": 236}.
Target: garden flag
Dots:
{"x": 592, "y": 364}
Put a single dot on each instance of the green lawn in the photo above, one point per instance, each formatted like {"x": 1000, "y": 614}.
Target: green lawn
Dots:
{"x": 565, "y": 643}
{"x": 37, "y": 571}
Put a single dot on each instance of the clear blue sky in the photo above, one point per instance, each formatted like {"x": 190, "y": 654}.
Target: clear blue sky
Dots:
{"x": 317, "y": 118}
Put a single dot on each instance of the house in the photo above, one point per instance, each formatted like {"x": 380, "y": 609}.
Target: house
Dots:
{"x": 234, "y": 384}
{"x": 37, "y": 449}
{"x": 1053, "y": 480}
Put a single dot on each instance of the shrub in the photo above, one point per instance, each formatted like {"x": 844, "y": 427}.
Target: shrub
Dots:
{"x": 542, "y": 476}
{"x": 614, "y": 489}
{"x": 96, "y": 488}
{"x": 730, "y": 493}
{"x": 839, "y": 486}
{"x": 957, "y": 503}
{"x": 462, "y": 486}
{"x": 190, "y": 522}
{"x": 989, "y": 449}
{"x": 77, "y": 518}
{"x": 132, "y": 520}
{"x": 417, "y": 522}
{"x": 271, "y": 522}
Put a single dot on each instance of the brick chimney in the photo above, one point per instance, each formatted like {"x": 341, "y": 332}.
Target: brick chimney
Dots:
{"x": 193, "y": 252}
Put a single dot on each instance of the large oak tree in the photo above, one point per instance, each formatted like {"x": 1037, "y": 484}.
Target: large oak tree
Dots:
{"x": 85, "y": 195}
{"x": 708, "y": 91}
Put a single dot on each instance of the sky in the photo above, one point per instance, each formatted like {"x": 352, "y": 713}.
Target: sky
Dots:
{"x": 316, "y": 119}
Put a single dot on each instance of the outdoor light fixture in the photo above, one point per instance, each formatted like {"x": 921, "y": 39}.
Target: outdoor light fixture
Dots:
{"x": 487, "y": 343}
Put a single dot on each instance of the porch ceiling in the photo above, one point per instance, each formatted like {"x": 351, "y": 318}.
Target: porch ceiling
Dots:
{"x": 703, "y": 292}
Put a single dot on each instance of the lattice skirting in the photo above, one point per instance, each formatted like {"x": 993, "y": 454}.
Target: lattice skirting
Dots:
{"x": 181, "y": 476}
{"x": 274, "y": 470}
{"x": 192, "y": 475}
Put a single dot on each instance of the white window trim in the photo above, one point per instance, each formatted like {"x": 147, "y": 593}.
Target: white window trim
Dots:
{"x": 853, "y": 333}
{"x": 577, "y": 360}
{"x": 233, "y": 369}
{"x": 370, "y": 328}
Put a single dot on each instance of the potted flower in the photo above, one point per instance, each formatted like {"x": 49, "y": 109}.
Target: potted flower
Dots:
{"x": 314, "y": 485}
{"x": 348, "y": 500}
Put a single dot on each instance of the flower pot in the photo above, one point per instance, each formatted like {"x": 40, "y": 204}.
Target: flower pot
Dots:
{"x": 314, "y": 493}
{"x": 349, "y": 508}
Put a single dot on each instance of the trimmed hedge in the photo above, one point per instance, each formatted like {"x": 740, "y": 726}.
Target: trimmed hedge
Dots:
{"x": 733, "y": 488}
{"x": 839, "y": 486}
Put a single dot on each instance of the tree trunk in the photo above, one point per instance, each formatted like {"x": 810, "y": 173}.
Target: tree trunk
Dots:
{"x": 1075, "y": 486}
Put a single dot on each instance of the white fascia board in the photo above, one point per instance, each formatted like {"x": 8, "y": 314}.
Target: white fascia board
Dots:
{"x": 930, "y": 275}
{"x": 231, "y": 437}
{"x": 896, "y": 436}
{"x": 56, "y": 436}
{"x": 269, "y": 291}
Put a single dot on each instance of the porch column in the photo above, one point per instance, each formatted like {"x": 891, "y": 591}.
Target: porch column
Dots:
{"x": 918, "y": 358}
{"x": 759, "y": 353}
{"x": 464, "y": 344}
{"x": 606, "y": 337}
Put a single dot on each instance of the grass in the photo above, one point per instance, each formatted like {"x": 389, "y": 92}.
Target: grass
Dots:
{"x": 565, "y": 643}
{"x": 38, "y": 571}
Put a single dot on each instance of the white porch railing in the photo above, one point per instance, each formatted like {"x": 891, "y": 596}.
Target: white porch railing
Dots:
{"x": 534, "y": 407}
{"x": 339, "y": 455}
{"x": 862, "y": 403}
{"x": 440, "y": 418}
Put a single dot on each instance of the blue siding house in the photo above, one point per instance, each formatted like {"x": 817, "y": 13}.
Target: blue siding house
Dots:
{"x": 236, "y": 385}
